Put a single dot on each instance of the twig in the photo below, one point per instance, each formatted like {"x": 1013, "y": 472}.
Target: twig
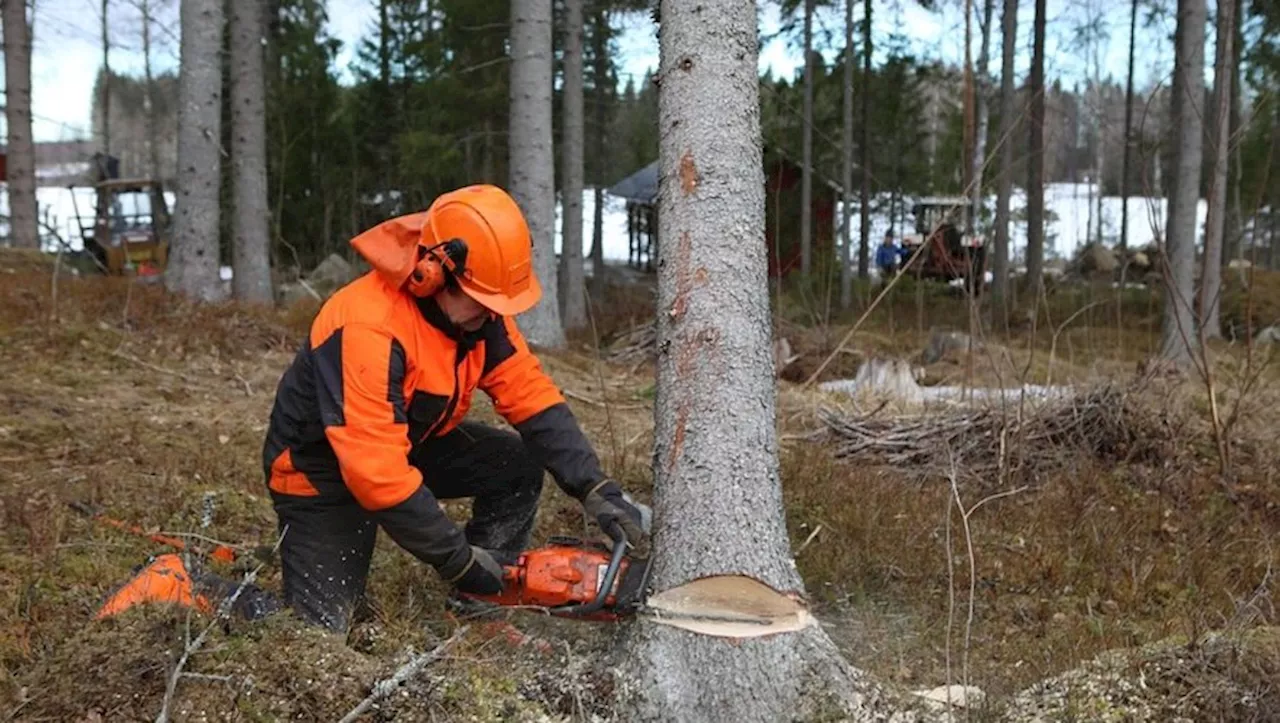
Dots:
{"x": 248, "y": 390}
{"x": 303, "y": 283}
{"x": 223, "y": 613}
{"x": 385, "y": 687}
{"x": 153, "y": 367}
{"x": 597, "y": 403}
{"x": 808, "y": 540}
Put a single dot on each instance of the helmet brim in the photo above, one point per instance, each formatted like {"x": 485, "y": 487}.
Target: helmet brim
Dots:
{"x": 502, "y": 304}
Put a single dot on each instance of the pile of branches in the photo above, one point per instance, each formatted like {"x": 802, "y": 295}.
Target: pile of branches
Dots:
{"x": 1012, "y": 444}
{"x": 635, "y": 346}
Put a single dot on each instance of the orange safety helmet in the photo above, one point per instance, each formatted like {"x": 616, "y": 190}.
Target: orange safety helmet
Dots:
{"x": 477, "y": 235}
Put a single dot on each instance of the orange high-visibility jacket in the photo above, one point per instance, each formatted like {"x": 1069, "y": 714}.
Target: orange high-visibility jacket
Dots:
{"x": 383, "y": 371}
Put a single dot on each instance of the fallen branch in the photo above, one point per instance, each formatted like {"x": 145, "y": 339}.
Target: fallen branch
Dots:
{"x": 152, "y": 367}
{"x": 597, "y": 403}
{"x": 223, "y": 613}
{"x": 387, "y": 686}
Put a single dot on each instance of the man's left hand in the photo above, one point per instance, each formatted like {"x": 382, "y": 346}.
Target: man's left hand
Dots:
{"x": 610, "y": 508}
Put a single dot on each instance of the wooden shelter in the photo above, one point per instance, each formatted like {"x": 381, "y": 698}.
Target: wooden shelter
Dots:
{"x": 782, "y": 214}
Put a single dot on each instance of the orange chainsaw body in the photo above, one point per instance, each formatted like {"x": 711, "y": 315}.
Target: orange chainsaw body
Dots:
{"x": 564, "y": 573}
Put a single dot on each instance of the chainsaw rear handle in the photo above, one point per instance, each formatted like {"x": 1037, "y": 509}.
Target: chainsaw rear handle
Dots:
{"x": 606, "y": 586}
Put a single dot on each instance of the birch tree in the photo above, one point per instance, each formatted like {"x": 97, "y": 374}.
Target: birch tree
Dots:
{"x": 1220, "y": 128}
{"x": 532, "y": 159}
{"x": 21, "y": 155}
{"x": 720, "y": 541}
{"x": 573, "y": 301}
{"x": 1179, "y": 338}
{"x": 251, "y": 279}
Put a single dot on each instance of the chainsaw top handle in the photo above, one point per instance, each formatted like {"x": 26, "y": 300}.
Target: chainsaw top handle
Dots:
{"x": 610, "y": 576}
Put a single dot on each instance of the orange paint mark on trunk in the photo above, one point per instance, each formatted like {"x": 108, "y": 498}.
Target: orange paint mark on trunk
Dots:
{"x": 677, "y": 444}
{"x": 689, "y": 177}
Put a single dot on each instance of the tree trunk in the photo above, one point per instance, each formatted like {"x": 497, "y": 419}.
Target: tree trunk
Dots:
{"x": 601, "y": 87}
{"x": 806, "y": 171}
{"x": 718, "y": 500}
{"x": 21, "y": 160}
{"x": 571, "y": 271}
{"x": 148, "y": 94}
{"x": 864, "y": 218}
{"x": 1235, "y": 216}
{"x": 1004, "y": 185}
{"x": 532, "y": 158}
{"x": 846, "y": 168}
{"x": 251, "y": 278}
{"x": 106, "y": 83}
{"x": 1220, "y": 126}
{"x": 1128, "y": 137}
{"x": 1179, "y": 339}
{"x": 983, "y": 109}
{"x": 1035, "y": 163}
{"x": 193, "y": 263}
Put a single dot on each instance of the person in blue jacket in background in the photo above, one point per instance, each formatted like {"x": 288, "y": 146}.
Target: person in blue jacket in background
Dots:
{"x": 888, "y": 255}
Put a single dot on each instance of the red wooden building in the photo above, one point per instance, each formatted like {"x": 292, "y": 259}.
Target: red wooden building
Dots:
{"x": 782, "y": 214}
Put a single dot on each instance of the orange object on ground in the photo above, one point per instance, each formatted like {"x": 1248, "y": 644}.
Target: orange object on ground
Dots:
{"x": 165, "y": 580}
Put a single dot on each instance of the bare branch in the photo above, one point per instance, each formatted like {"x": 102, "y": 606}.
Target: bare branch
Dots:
{"x": 387, "y": 686}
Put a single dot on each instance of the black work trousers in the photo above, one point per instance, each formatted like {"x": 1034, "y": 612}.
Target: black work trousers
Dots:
{"x": 328, "y": 541}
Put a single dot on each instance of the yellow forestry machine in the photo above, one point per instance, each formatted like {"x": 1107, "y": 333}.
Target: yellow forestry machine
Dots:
{"x": 129, "y": 228}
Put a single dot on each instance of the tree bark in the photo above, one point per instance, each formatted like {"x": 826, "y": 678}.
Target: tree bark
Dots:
{"x": 1128, "y": 137}
{"x": 1035, "y": 163}
{"x": 1215, "y": 222}
{"x": 106, "y": 83}
{"x": 193, "y": 263}
{"x": 603, "y": 93}
{"x": 1179, "y": 338}
{"x": 148, "y": 94}
{"x": 574, "y": 303}
{"x": 718, "y": 499}
{"x": 1235, "y": 223}
{"x": 806, "y": 171}
{"x": 846, "y": 168}
{"x": 21, "y": 160}
{"x": 532, "y": 158}
{"x": 983, "y": 109}
{"x": 864, "y": 218}
{"x": 1004, "y": 184}
{"x": 251, "y": 264}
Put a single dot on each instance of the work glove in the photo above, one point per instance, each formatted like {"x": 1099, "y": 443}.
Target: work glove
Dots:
{"x": 481, "y": 575}
{"x": 610, "y": 507}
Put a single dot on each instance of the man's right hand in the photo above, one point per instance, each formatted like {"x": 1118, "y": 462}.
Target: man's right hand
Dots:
{"x": 482, "y": 575}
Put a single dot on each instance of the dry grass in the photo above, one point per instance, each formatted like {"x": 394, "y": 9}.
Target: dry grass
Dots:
{"x": 144, "y": 413}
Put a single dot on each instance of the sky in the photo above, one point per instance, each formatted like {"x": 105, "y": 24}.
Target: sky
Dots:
{"x": 67, "y": 45}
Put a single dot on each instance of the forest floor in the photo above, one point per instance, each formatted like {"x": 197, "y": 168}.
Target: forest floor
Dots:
{"x": 1122, "y": 578}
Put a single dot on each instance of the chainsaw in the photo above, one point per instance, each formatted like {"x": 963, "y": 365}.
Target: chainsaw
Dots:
{"x": 573, "y": 578}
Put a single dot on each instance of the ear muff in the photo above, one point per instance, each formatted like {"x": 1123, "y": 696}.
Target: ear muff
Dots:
{"x": 437, "y": 267}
